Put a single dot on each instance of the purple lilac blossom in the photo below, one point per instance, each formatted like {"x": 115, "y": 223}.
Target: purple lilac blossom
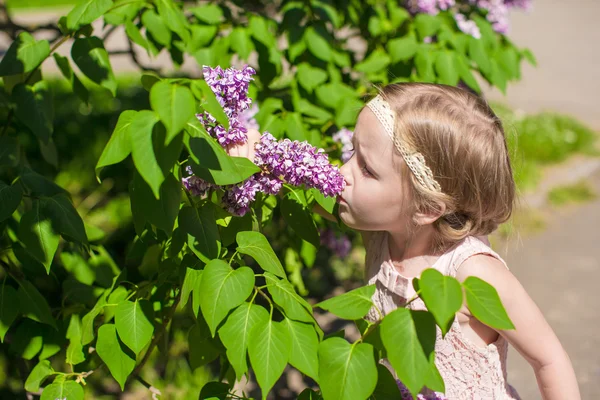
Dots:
{"x": 195, "y": 185}
{"x": 298, "y": 163}
{"x": 497, "y": 11}
{"x": 344, "y": 137}
{"x": 230, "y": 87}
{"x": 281, "y": 162}
{"x": 341, "y": 246}
{"x": 467, "y": 26}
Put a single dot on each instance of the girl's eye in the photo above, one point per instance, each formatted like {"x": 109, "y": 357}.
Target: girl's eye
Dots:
{"x": 366, "y": 171}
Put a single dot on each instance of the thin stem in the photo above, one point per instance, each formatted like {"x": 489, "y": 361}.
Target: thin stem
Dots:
{"x": 232, "y": 257}
{"x": 416, "y": 296}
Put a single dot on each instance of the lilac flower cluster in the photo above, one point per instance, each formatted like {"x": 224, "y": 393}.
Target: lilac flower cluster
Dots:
{"x": 496, "y": 12}
{"x": 406, "y": 395}
{"x": 286, "y": 161}
{"x": 341, "y": 245}
{"x": 298, "y": 163}
{"x": 231, "y": 89}
{"x": 344, "y": 137}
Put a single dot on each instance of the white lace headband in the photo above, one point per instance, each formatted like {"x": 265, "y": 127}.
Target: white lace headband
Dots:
{"x": 414, "y": 160}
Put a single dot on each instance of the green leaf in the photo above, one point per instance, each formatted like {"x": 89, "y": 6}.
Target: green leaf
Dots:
{"x": 416, "y": 331}
{"x": 328, "y": 203}
{"x": 86, "y": 12}
{"x": 241, "y": 43}
{"x": 214, "y": 391}
{"x": 136, "y": 37}
{"x": 478, "y": 54}
{"x": 352, "y": 305}
{"x": 174, "y": 105}
{"x": 483, "y": 301}
{"x": 119, "y": 145}
{"x": 299, "y": 218}
{"x": 38, "y": 235}
{"x": 157, "y": 28}
{"x": 53, "y": 343}
{"x": 387, "y": 387}
{"x": 190, "y": 282}
{"x": 309, "y": 394}
{"x": 174, "y": 17}
{"x": 528, "y": 55}
{"x": 122, "y": 11}
{"x": 24, "y": 55}
{"x": 305, "y": 345}
{"x": 64, "y": 217}
{"x": 87, "y": 322}
{"x": 65, "y": 68}
{"x": 464, "y": 71}
{"x": 346, "y": 371}
{"x": 284, "y": 295}
{"x": 235, "y": 334}
{"x": 445, "y": 67}
{"x": 403, "y": 48}
{"x": 427, "y": 25}
{"x": 9, "y": 308}
{"x": 442, "y": 296}
{"x": 210, "y": 103}
{"x": 75, "y": 350}
{"x": 69, "y": 390}
{"x": 134, "y": 328}
{"x": 295, "y": 129}
{"x": 203, "y": 347}
{"x": 92, "y": 59}
{"x": 34, "y": 109}
{"x": 109, "y": 349}
{"x": 27, "y": 340}
{"x": 269, "y": 348}
{"x": 9, "y": 151}
{"x": 142, "y": 150}
{"x": 222, "y": 289}
{"x": 310, "y": 77}
{"x": 209, "y": 13}
{"x": 38, "y": 374}
{"x": 256, "y": 245}
{"x": 260, "y": 31}
{"x": 347, "y": 111}
{"x": 424, "y": 61}
{"x": 213, "y": 165}
{"x": 317, "y": 45}
{"x": 145, "y": 207}
{"x": 10, "y": 198}
{"x": 200, "y": 224}
{"x": 375, "y": 62}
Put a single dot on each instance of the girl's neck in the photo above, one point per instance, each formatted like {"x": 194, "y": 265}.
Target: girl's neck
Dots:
{"x": 411, "y": 253}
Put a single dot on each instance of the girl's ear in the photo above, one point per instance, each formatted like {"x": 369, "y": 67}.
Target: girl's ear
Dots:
{"x": 430, "y": 215}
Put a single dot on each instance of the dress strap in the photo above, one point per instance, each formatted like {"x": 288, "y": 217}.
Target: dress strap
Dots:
{"x": 470, "y": 247}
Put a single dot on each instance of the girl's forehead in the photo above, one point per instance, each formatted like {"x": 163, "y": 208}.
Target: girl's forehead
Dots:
{"x": 370, "y": 133}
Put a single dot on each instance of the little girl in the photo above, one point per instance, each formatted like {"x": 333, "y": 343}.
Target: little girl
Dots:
{"x": 430, "y": 178}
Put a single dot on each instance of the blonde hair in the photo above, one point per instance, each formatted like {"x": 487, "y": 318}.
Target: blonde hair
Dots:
{"x": 464, "y": 145}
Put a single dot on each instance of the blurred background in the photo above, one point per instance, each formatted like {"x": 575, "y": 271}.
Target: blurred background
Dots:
{"x": 551, "y": 117}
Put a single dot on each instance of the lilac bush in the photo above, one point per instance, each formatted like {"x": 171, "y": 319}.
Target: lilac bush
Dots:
{"x": 344, "y": 137}
{"x": 340, "y": 246}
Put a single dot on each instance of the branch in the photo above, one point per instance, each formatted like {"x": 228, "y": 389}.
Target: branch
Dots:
{"x": 11, "y": 28}
{"x": 134, "y": 58}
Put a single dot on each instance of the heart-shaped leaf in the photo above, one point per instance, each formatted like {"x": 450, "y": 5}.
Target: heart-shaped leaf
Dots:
{"x": 256, "y": 245}
{"x": 222, "y": 288}
{"x": 442, "y": 296}
{"x": 346, "y": 371}
{"x": 352, "y": 305}
{"x": 174, "y": 104}
{"x": 483, "y": 301}
{"x": 134, "y": 328}
{"x": 108, "y": 347}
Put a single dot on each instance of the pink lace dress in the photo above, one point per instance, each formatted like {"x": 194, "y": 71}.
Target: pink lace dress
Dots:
{"x": 469, "y": 371}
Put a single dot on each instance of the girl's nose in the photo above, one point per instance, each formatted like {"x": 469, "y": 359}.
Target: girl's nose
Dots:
{"x": 345, "y": 170}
